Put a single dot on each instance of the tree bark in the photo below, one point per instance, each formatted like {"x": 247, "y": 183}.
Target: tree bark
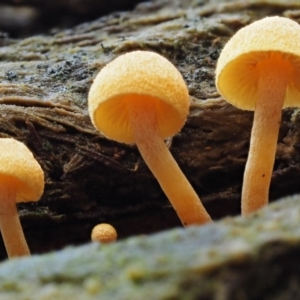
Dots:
{"x": 90, "y": 179}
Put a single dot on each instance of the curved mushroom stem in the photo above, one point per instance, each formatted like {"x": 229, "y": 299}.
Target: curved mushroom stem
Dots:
{"x": 264, "y": 135}
{"x": 10, "y": 226}
{"x": 162, "y": 164}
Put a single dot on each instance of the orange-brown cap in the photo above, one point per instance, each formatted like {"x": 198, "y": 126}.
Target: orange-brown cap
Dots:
{"x": 104, "y": 233}
{"x": 19, "y": 168}
{"x": 237, "y": 70}
{"x": 144, "y": 76}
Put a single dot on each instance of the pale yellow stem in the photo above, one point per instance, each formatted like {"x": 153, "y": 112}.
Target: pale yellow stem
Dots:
{"x": 162, "y": 164}
{"x": 10, "y": 226}
{"x": 264, "y": 135}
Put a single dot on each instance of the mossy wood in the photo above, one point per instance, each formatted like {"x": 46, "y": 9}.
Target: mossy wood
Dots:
{"x": 90, "y": 179}
{"x": 237, "y": 258}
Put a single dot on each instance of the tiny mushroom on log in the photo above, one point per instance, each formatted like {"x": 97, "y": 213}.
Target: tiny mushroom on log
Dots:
{"x": 104, "y": 233}
{"x": 259, "y": 69}
{"x": 21, "y": 180}
{"x": 140, "y": 97}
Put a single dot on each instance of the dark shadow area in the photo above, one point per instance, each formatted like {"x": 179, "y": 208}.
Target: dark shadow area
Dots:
{"x": 19, "y": 19}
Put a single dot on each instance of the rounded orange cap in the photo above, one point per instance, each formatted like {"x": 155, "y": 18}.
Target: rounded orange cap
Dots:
{"x": 273, "y": 38}
{"x": 19, "y": 168}
{"x": 133, "y": 79}
{"x": 104, "y": 233}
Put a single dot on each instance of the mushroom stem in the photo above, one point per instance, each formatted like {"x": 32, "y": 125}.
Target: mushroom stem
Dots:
{"x": 10, "y": 225}
{"x": 264, "y": 135}
{"x": 162, "y": 164}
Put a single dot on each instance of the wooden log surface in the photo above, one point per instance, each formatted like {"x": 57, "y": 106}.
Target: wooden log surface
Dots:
{"x": 44, "y": 81}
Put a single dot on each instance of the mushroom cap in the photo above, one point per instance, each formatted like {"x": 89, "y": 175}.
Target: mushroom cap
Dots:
{"x": 104, "y": 233}
{"x": 237, "y": 73}
{"x": 138, "y": 77}
{"x": 19, "y": 168}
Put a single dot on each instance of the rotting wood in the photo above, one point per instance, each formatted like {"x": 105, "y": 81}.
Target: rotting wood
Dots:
{"x": 89, "y": 179}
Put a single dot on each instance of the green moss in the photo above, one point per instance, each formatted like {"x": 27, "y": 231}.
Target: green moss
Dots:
{"x": 229, "y": 259}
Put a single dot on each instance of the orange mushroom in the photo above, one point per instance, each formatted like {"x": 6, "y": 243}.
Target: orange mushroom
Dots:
{"x": 259, "y": 69}
{"x": 104, "y": 233}
{"x": 21, "y": 180}
{"x": 140, "y": 97}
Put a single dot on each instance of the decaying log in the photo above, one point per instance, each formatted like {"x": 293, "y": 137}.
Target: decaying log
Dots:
{"x": 89, "y": 179}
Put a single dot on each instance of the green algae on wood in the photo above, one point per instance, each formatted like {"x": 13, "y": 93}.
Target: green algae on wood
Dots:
{"x": 238, "y": 258}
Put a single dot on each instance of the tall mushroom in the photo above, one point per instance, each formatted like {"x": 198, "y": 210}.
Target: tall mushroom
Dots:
{"x": 140, "y": 97}
{"x": 21, "y": 180}
{"x": 259, "y": 69}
